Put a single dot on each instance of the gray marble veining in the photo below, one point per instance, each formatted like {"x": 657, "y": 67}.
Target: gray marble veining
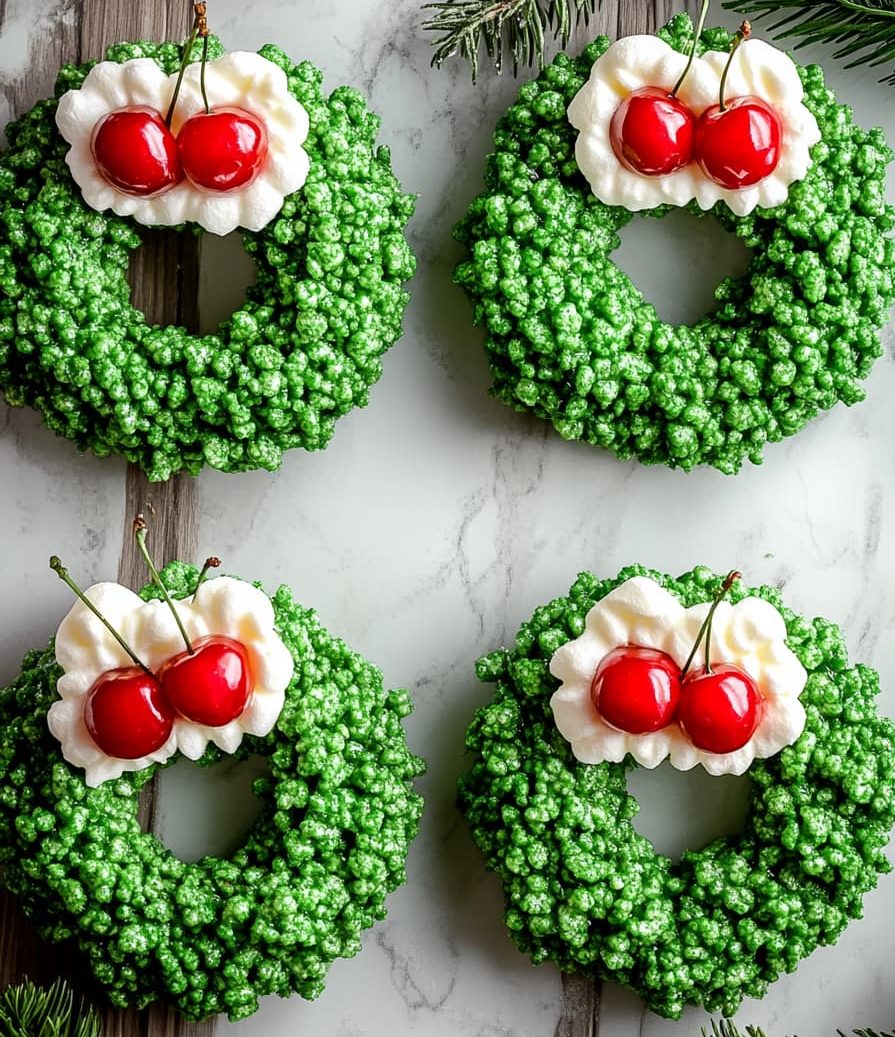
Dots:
{"x": 438, "y": 519}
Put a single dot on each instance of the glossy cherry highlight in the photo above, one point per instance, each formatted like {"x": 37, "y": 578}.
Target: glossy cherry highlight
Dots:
{"x": 740, "y": 144}
{"x": 211, "y": 684}
{"x": 720, "y": 710}
{"x": 136, "y": 152}
{"x": 652, "y": 132}
{"x": 222, "y": 150}
{"x": 127, "y": 715}
{"x": 636, "y": 689}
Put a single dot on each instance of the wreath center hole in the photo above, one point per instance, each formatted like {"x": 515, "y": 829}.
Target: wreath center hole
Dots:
{"x": 686, "y": 810}
{"x": 196, "y": 283}
{"x": 203, "y": 811}
{"x": 679, "y": 260}
{"x": 226, "y": 272}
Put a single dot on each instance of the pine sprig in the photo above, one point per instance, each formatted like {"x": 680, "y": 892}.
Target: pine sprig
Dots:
{"x": 514, "y": 27}
{"x": 865, "y": 28}
{"x": 728, "y": 1028}
{"x": 27, "y": 1010}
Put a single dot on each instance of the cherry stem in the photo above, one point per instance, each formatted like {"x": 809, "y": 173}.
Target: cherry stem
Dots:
{"x": 743, "y": 33}
{"x": 187, "y": 50}
{"x": 202, "y": 71}
{"x": 63, "y": 574}
{"x": 706, "y": 628}
{"x": 210, "y": 563}
{"x": 697, "y": 32}
{"x": 200, "y": 28}
{"x": 140, "y": 530}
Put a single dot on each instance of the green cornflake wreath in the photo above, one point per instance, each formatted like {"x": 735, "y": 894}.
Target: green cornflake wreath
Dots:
{"x": 338, "y": 816}
{"x": 584, "y": 890}
{"x": 303, "y": 349}
{"x": 570, "y": 337}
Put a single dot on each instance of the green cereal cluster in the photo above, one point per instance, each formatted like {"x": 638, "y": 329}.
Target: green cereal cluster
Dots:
{"x": 583, "y": 889}
{"x": 570, "y": 337}
{"x": 303, "y": 350}
{"x": 338, "y": 815}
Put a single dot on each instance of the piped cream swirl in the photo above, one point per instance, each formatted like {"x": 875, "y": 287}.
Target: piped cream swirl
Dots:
{"x": 750, "y": 634}
{"x": 86, "y": 650}
{"x": 758, "y": 69}
{"x": 241, "y": 79}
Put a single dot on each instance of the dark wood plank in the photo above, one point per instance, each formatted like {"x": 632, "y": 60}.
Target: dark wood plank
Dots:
{"x": 164, "y": 278}
{"x": 172, "y": 511}
{"x": 618, "y": 18}
{"x": 103, "y": 22}
{"x": 49, "y": 48}
{"x": 582, "y": 994}
{"x": 173, "y": 518}
{"x": 580, "y": 1006}
{"x": 171, "y": 508}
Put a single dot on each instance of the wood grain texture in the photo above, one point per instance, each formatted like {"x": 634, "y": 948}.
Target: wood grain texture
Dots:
{"x": 582, "y": 994}
{"x": 580, "y": 1007}
{"x": 164, "y": 275}
{"x": 50, "y": 43}
{"x": 172, "y": 512}
{"x": 164, "y": 280}
{"x": 618, "y": 18}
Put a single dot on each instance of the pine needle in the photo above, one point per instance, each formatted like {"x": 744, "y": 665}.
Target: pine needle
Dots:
{"x": 728, "y": 1028}
{"x": 27, "y": 1010}
{"x": 514, "y": 27}
{"x": 865, "y": 29}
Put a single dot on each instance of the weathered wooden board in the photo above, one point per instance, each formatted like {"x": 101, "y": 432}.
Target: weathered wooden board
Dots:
{"x": 164, "y": 276}
{"x": 580, "y": 1016}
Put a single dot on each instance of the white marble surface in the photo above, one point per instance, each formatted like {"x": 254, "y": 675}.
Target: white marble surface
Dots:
{"x": 438, "y": 519}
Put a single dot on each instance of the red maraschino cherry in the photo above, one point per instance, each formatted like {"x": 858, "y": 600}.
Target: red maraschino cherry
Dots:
{"x": 222, "y": 150}
{"x": 636, "y": 689}
{"x": 738, "y": 142}
{"x": 127, "y": 714}
{"x": 652, "y": 132}
{"x": 719, "y": 709}
{"x": 211, "y": 684}
{"x": 136, "y": 152}
{"x": 125, "y": 710}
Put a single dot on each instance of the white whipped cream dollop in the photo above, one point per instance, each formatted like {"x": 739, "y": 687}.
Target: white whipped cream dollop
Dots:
{"x": 86, "y": 650}
{"x": 750, "y": 635}
{"x": 757, "y": 69}
{"x": 241, "y": 79}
